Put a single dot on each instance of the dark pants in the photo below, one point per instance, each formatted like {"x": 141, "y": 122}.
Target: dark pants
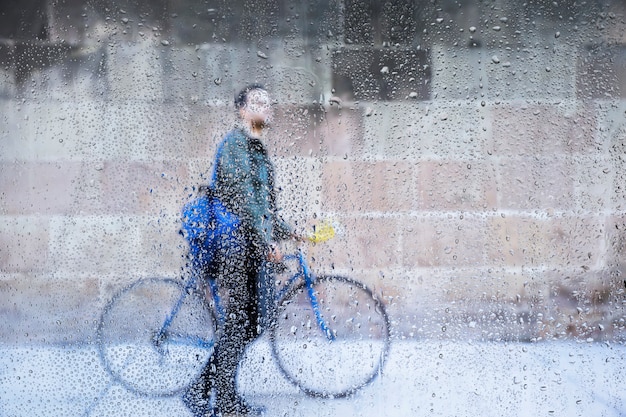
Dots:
{"x": 237, "y": 268}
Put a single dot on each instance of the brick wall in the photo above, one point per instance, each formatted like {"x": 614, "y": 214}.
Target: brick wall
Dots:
{"x": 480, "y": 188}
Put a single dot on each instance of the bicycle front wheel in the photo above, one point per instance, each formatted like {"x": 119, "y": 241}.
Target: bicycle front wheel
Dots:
{"x": 336, "y": 347}
{"x": 141, "y": 353}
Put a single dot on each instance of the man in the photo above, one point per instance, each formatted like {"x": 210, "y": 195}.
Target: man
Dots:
{"x": 242, "y": 184}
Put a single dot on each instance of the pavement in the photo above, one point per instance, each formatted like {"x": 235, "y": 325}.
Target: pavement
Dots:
{"x": 421, "y": 378}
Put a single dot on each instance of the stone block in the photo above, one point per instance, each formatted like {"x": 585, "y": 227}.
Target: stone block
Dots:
{"x": 468, "y": 303}
{"x": 298, "y": 186}
{"x": 452, "y": 240}
{"x": 132, "y": 127}
{"x": 363, "y": 242}
{"x": 48, "y": 309}
{"x": 135, "y": 71}
{"x": 612, "y": 139}
{"x": 494, "y": 74}
{"x": 543, "y": 129}
{"x": 151, "y": 131}
{"x": 316, "y": 131}
{"x": 185, "y": 132}
{"x": 213, "y": 73}
{"x": 616, "y": 242}
{"x": 70, "y": 73}
{"x": 297, "y": 79}
{"x": 581, "y": 304}
{"x": 435, "y": 130}
{"x": 7, "y": 79}
{"x": 614, "y": 29}
{"x": 96, "y": 244}
{"x": 371, "y": 74}
{"x": 132, "y": 187}
{"x": 342, "y": 132}
{"x": 122, "y": 249}
{"x": 40, "y": 188}
{"x": 456, "y": 185}
{"x": 50, "y": 130}
{"x": 295, "y": 131}
{"x": 533, "y": 182}
{"x": 479, "y": 287}
{"x": 546, "y": 241}
{"x": 595, "y": 184}
{"x": 360, "y": 186}
{"x": 93, "y": 187}
{"x": 162, "y": 249}
{"x": 24, "y": 244}
{"x": 602, "y": 72}
{"x": 190, "y": 76}
{"x": 459, "y": 73}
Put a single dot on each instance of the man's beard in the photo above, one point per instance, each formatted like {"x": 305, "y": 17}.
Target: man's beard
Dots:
{"x": 260, "y": 124}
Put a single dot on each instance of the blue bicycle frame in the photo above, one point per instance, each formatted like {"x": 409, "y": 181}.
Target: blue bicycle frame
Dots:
{"x": 309, "y": 280}
{"x": 303, "y": 272}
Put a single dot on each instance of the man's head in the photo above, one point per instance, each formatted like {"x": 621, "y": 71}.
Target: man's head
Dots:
{"x": 254, "y": 105}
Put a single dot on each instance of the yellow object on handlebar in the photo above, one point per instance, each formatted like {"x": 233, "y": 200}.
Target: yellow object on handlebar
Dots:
{"x": 322, "y": 232}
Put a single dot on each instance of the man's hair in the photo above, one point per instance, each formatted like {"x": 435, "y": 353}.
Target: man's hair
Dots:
{"x": 241, "y": 98}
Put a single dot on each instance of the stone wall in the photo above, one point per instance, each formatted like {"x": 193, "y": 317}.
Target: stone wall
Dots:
{"x": 473, "y": 156}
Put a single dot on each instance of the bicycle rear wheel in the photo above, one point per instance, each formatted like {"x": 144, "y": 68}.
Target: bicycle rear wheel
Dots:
{"x": 142, "y": 357}
{"x": 359, "y": 325}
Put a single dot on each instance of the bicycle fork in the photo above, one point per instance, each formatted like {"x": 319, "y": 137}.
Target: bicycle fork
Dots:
{"x": 309, "y": 282}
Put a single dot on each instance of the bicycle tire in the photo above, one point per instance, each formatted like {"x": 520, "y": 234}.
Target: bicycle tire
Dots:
{"x": 324, "y": 368}
{"x": 127, "y": 337}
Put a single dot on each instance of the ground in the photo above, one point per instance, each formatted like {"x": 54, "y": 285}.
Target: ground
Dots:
{"x": 429, "y": 378}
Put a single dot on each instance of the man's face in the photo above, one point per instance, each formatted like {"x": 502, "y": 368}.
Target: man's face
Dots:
{"x": 258, "y": 108}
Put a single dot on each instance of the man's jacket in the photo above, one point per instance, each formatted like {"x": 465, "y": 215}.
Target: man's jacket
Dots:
{"x": 243, "y": 180}
{"x": 241, "y": 198}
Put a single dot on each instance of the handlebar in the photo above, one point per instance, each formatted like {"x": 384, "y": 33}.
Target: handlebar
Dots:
{"x": 322, "y": 232}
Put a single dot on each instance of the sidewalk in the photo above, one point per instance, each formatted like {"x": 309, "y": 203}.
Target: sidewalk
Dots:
{"x": 420, "y": 379}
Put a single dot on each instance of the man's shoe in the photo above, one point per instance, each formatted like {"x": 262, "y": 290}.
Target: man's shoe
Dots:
{"x": 199, "y": 405}
{"x": 244, "y": 409}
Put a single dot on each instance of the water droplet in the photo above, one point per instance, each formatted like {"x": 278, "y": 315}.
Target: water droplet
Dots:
{"x": 260, "y": 54}
{"x": 472, "y": 29}
{"x": 335, "y": 100}
{"x": 557, "y": 34}
{"x": 165, "y": 42}
{"x": 497, "y": 28}
{"x": 495, "y": 59}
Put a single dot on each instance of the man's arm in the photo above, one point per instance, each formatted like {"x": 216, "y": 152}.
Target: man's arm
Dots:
{"x": 228, "y": 177}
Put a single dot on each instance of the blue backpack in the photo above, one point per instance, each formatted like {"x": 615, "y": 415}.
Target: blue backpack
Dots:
{"x": 206, "y": 225}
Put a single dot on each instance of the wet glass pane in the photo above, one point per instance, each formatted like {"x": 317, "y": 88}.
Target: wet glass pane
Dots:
{"x": 325, "y": 208}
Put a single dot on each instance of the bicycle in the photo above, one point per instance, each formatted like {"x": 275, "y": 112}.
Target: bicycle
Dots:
{"x": 330, "y": 337}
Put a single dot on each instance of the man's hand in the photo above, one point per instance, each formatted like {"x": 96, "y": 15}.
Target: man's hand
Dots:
{"x": 275, "y": 255}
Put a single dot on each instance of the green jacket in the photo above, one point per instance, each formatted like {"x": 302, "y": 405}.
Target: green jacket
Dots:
{"x": 243, "y": 179}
